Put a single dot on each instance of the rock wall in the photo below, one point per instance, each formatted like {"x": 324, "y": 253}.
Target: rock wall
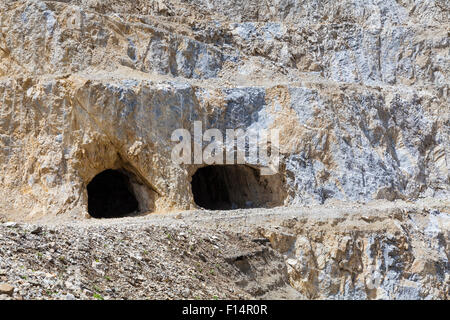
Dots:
{"x": 358, "y": 90}
{"x": 386, "y": 252}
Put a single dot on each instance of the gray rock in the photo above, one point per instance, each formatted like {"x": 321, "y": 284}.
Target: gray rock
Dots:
{"x": 10, "y": 224}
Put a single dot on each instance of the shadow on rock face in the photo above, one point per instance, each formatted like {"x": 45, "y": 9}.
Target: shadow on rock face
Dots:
{"x": 227, "y": 187}
{"x": 110, "y": 195}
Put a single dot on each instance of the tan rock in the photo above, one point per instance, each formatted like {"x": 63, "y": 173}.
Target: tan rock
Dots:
{"x": 6, "y": 288}
{"x": 84, "y": 90}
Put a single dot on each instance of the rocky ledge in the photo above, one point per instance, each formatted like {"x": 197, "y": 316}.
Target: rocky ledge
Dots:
{"x": 381, "y": 250}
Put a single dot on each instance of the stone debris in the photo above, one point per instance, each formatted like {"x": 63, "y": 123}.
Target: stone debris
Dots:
{"x": 327, "y": 252}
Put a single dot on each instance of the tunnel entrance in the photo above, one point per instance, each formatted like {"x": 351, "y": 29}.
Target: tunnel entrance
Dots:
{"x": 110, "y": 195}
{"x": 226, "y": 187}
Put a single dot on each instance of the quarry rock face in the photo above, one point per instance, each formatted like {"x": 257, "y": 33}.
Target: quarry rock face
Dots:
{"x": 91, "y": 92}
{"x": 385, "y": 253}
{"x": 358, "y": 90}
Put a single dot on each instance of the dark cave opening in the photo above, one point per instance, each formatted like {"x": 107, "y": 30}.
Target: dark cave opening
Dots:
{"x": 110, "y": 195}
{"x": 227, "y": 187}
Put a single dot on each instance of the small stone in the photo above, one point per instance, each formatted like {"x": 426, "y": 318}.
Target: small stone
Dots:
{"x": 202, "y": 257}
{"x": 186, "y": 292}
{"x": 36, "y": 230}
{"x": 10, "y": 224}
{"x": 6, "y": 288}
{"x": 69, "y": 296}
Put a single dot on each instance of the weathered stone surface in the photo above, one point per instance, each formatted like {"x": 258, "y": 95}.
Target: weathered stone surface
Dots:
{"x": 358, "y": 89}
{"x": 391, "y": 253}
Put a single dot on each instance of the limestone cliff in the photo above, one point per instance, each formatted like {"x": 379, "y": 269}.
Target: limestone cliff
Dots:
{"x": 359, "y": 90}
{"x": 92, "y": 90}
